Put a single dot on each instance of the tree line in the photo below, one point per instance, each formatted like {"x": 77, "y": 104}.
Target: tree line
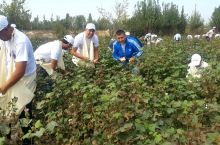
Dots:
{"x": 149, "y": 16}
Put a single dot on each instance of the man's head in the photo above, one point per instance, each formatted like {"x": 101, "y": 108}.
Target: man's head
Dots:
{"x": 196, "y": 60}
{"x": 5, "y": 29}
{"x": 90, "y": 30}
{"x": 120, "y": 36}
{"x": 68, "y": 41}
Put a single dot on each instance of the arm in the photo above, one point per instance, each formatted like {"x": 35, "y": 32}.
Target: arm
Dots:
{"x": 115, "y": 54}
{"x": 53, "y": 64}
{"x": 96, "y": 55}
{"x": 74, "y": 52}
{"x": 15, "y": 77}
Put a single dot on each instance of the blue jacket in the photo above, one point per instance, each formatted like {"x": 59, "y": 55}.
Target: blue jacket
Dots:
{"x": 131, "y": 49}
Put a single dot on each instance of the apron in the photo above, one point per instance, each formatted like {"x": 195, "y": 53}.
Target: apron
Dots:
{"x": 22, "y": 91}
{"x": 87, "y": 53}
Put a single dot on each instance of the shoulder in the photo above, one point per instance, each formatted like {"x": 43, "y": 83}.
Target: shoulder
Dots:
{"x": 20, "y": 37}
{"x": 79, "y": 36}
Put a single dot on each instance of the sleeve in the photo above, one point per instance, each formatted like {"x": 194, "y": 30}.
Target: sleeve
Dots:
{"x": 96, "y": 41}
{"x": 21, "y": 52}
{"x": 115, "y": 54}
{"x": 76, "y": 43}
{"x": 55, "y": 52}
{"x": 135, "y": 51}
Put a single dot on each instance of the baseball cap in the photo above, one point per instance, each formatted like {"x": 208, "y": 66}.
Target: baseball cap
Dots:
{"x": 69, "y": 39}
{"x": 3, "y": 22}
{"x": 90, "y": 26}
{"x": 127, "y": 33}
{"x": 196, "y": 59}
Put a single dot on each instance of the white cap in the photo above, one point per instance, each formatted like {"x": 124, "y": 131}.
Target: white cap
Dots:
{"x": 127, "y": 33}
{"x": 90, "y": 26}
{"x": 3, "y": 22}
{"x": 196, "y": 59}
{"x": 13, "y": 25}
{"x": 214, "y": 27}
{"x": 69, "y": 39}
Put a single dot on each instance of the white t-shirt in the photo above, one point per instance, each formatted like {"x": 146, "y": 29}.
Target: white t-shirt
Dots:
{"x": 79, "y": 39}
{"x": 48, "y": 51}
{"x": 22, "y": 50}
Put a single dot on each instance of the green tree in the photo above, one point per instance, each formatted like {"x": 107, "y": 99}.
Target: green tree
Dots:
{"x": 196, "y": 22}
{"x": 215, "y": 19}
{"x": 16, "y": 13}
{"x": 89, "y": 20}
{"x": 79, "y": 22}
{"x": 170, "y": 18}
{"x": 147, "y": 17}
{"x": 181, "y": 26}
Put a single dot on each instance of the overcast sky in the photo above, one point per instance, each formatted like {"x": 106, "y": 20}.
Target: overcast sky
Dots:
{"x": 84, "y": 7}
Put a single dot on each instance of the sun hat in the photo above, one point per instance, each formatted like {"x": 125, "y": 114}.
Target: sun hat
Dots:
{"x": 69, "y": 39}
{"x": 90, "y": 26}
{"x": 3, "y": 22}
{"x": 196, "y": 59}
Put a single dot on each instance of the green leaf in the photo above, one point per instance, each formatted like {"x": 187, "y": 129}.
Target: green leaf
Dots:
{"x": 4, "y": 129}
{"x": 51, "y": 125}
{"x": 38, "y": 124}
{"x": 39, "y": 133}
{"x": 212, "y": 137}
{"x": 2, "y": 140}
{"x": 157, "y": 138}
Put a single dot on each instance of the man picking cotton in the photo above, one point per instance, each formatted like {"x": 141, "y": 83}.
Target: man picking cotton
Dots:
{"x": 85, "y": 49}
{"x": 17, "y": 71}
{"x": 196, "y": 66}
{"x": 50, "y": 55}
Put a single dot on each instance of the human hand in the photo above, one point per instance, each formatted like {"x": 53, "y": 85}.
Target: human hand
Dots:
{"x": 86, "y": 59}
{"x": 122, "y": 59}
{"x": 3, "y": 90}
{"x": 132, "y": 60}
{"x": 95, "y": 61}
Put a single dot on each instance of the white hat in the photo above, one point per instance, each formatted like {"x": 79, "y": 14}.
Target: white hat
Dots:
{"x": 196, "y": 59}
{"x": 69, "y": 39}
{"x": 127, "y": 33}
{"x": 3, "y": 22}
{"x": 90, "y": 26}
{"x": 214, "y": 27}
{"x": 13, "y": 25}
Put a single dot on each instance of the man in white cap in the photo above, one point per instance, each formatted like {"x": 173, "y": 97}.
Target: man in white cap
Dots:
{"x": 210, "y": 34}
{"x": 17, "y": 71}
{"x": 196, "y": 66}
{"x": 177, "y": 37}
{"x": 85, "y": 48}
{"x": 50, "y": 55}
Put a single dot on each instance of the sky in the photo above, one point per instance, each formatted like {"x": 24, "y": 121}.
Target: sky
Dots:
{"x": 84, "y": 7}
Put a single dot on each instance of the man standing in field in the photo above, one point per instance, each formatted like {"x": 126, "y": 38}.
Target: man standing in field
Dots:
{"x": 85, "y": 49}
{"x": 210, "y": 34}
{"x": 125, "y": 50}
{"x": 17, "y": 71}
{"x": 50, "y": 55}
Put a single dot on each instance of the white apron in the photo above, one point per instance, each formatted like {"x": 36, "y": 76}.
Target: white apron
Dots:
{"x": 87, "y": 53}
{"x": 23, "y": 90}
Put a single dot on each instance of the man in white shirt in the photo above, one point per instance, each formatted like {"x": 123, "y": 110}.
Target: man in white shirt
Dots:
{"x": 196, "y": 66}
{"x": 50, "y": 55}
{"x": 177, "y": 37}
{"x": 210, "y": 34}
{"x": 17, "y": 70}
{"x": 85, "y": 48}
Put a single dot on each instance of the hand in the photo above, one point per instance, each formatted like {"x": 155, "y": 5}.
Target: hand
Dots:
{"x": 95, "y": 61}
{"x": 132, "y": 60}
{"x": 86, "y": 59}
{"x": 122, "y": 59}
{"x": 3, "y": 90}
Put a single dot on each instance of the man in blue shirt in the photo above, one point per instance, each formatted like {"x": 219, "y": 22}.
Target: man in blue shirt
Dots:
{"x": 125, "y": 49}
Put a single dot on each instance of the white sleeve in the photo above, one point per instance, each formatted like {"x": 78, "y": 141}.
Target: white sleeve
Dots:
{"x": 55, "y": 52}
{"x": 95, "y": 41}
{"x": 77, "y": 42}
{"x": 21, "y": 52}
